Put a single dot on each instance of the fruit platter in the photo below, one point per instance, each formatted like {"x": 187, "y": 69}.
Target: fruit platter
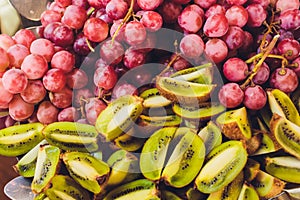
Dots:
{"x": 154, "y": 99}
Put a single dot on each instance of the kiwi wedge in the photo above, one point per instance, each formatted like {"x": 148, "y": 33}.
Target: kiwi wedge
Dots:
{"x": 211, "y": 136}
{"x": 248, "y": 193}
{"x": 152, "y": 99}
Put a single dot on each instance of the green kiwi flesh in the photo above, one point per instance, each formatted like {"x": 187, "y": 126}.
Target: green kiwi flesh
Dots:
{"x": 167, "y": 195}
{"x": 152, "y": 99}
{"x": 129, "y": 142}
{"x": 85, "y": 169}
{"x": 134, "y": 190}
{"x": 211, "y": 136}
{"x": 47, "y": 166}
{"x": 287, "y": 134}
{"x": 72, "y": 136}
{"x": 19, "y": 139}
{"x": 202, "y": 111}
{"x": 161, "y": 121}
{"x": 268, "y": 144}
{"x": 248, "y": 193}
{"x": 118, "y": 116}
{"x": 234, "y": 124}
{"x": 286, "y": 168}
{"x": 225, "y": 163}
{"x": 186, "y": 159}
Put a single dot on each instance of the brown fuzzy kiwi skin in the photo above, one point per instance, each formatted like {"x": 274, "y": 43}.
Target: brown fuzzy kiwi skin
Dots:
{"x": 253, "y": 144}
{"x": 232, "y": 131}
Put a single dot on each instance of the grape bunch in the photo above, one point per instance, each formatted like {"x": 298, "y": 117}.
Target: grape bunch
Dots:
{"x": 80, "y": 59}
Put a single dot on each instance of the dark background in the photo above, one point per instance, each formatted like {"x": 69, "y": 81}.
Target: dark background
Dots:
{"x": 6, "y": 173}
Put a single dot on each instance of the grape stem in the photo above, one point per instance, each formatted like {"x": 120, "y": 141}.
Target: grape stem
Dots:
{"x": 125, "y": 20}
{"x": 257, "y": 66}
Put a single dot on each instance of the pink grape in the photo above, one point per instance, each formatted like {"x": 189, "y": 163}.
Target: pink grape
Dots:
{"x": 9, "y": 121}
{"x": 297, "y": 67}
{"x": 98, "y": 3}
{"x": 62, "y": 98}
{"x": 235, "y": 69}
{"x": 290, "y": 19}
{"x": 47, "y": 113}
{"x": 216, "y": 26}
{"x": 231, "y": 95}
{"x": 149, "y": 4}
{"x": 283, "y": 5}
{"x": 6, "y": 41}
{"x": 216, "y": 49}
{"x": 81, "y": 95}
{"x": 116, "y": 9}
{"x": 263, "y": 3}
{"x": 234, "y": 38}
{"x": 111, "y": 53}
{"x": 206, "y": 4}
{"x": 14, "y": 81}
{"x": 236, "y": 2}
{"x": 256, "y": 15}
{"x": 215, "y": 9}
{"x": 105, "y": 77}
{"x": 81, "y": 46}
{"x": 93, "y": 108}
{"x": 247, "y": 43}
{"x": 95, "y": 29}
{"x": 20, "y": 110}
{"x": 120, "y": 36}
{"x": 148, "y": 45}
{"x": 63, "y": 60}
{"x": 49, "y": 30}
{"x": 124, "y": 89}
{"x": 69, "y": 114}
{"x": 192, "y": 46}
{"x": 262, "y": 74}
{"x": 17, "y": 54}
{"x": 34, "y": 66}
{"x": 152, "y": 21}
{"x": 42, "y": 47}
{"x": 63, "y": 3}
{"x": 63, "y": 36}
{"x": 5, "y": 96}
{"x": 237, "y": 16}
{"x": 170, "y": 11}
{"x": 24, "y": 37}
{"x": 77, "y": 79}
{"x": 50, "y": 16}
{"x": 54, "y": 80}
{"x": 182, "y": 1}
{"x": 286, "y": 81}
{"x": 81, "y": 3}
{"x": 135, "y": 33}
{"x": 34, "y": 92}
{"x": 4, "y": 61}
{"x": 289, "y": 47}
{"x": 180, "y": 64}
{"x": 190, "y": 20}
{"x": 133, "y": 58}
{"x": 55, "y": 7}
{"x": 255, "y": 97}
{"x": 74, "y": 17}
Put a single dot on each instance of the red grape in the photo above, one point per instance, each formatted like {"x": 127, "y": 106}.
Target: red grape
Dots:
{"x": 297, "y": 67}
{"x": 263, "y": 3}
{"x": 215, "y": 9}
{"x": 63, "y": 3}
{"x": 6, "y": 41}
{"x": 42, "y": 47}
{"x": 255, "y": 97}
{"x": 191, "y": 46}
{"x": 34, "y": 66}
{"x": 216, "y": 49}
{"x": 77, "y": 79}
{"x": 95, "y": 29}
{"x": 216, "y": 26}
{"x": 236, "y": 2}
{"x": 124, "y": 89}
{"x": 133, "y": 58}
{"x": 286, "y": 81}
{"x": 289, "y": 47}
{"x": 63, "y": 36}
{"x": 262, "y": 74}
{"x": 120, "y": 36}
{"x": 74, "y": 17}
{"x": 205, "y": 3}
{"x": 148, "y": 45}
{"x": 14, "y": 81}
{"x": 256, "y": 15}
{"x": 20, "y": 110}
{"x": 98, "y": 3}
{"x": 105, "y": 77}
{"x": 81, "y": 46}
{"x": 93, "y": 108}
{"x": 182, "y": 1}
{"x": 190, "y": 20}
{"x": 69, "y": 114}
{"x": 81, "y": 3}
{"x": 135, "y": 33}
{"x": 180, "y": 64}
{"x": 116, "y": 9}
{"x": 55, "y": 7}
{"x": 17, "y": 54}
{"x": 290, "y": 19}
{"x": 152, "y": 21}
{"x": 47, "y": 113}
{"x": 111, "y": 53}
{"x": 234, "y": 38}
{"x": 24, "y": 37}
{"x": 63, "y": 60}
{"x": 5, "y": 96}
{"x": 50, "y": 16}
{"x": 237, "y": 16}
{"x": 54, "y": 80}
{"x": 284, "y": 5}
{"x": 170, "y": 11}
{"x": 231, "y": 95}
{"x": 34, "y": 92}
{"x": 80, "y": 95}
{"x": 247, "y": 43}
{"x": 4, "y": 61}
{"x": 235, "y": 69}
{"x": 9, "y": 121}
{"x": 62, "y": 98}
{"x": 49, "y": 30}
{"x": 149, "y": 4}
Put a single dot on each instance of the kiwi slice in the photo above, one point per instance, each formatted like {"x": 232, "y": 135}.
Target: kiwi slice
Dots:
{"x": 193, "y": 193}
{"x": 154, "y": 152}
{"x": 251, "y": 169}
{"x": 248, "y": 193}
{"x": 168, "y": 195}
{"x": 267, "y": 186}
{"x": 226, "y": 162}
{"x": 129, "y": 141}
{"x": 183, "y": 92}
{"x": 72, "y": 136}
{"x": 64, "y": 188}
{"x": 287, "y": 134}
{"x": 281, "y": 104}
{"x": 253, "y": 144}
{"x": 19, "y": 139}
{"x": 152, "y": 99}
{"x": 200, "y": 74}
{"x": 234, "y": 124}
{"x": 211, "y": 136}
{"x": 47, "y": 166}
{"x": 85, "y": 169}
{"x": 185, "y": 160}
{"x": 26, "y": 165}
{"x": 161, "y": 121}
{"x": 118, "y": 116}
{"x": 137, "y": 189}
{"x": 203, "y": 111}
{"x": 268, "y": 144}
{"x": 41, "y": 196}
{"x": 286, "y": 168}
